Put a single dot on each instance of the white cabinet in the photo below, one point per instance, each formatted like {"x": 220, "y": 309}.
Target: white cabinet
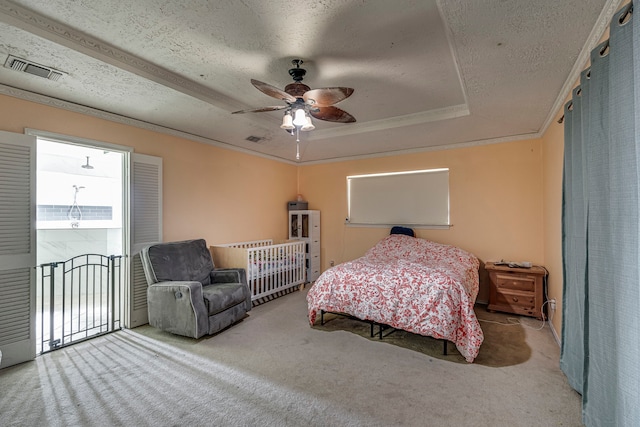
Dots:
{"x": 305, "y": 225}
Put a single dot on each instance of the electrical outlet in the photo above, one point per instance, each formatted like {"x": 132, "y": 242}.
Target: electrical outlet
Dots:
{"x": 552, "y": 304}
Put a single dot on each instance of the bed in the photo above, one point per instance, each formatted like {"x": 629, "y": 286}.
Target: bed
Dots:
{"x": 271, "y": 268}
{"x": 407, "y": 283}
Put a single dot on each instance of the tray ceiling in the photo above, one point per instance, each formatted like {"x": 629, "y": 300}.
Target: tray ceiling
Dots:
{"x": 427, "y": 74}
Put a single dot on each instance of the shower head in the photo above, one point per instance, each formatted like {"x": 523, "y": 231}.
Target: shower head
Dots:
{"x": 87, "y": 166}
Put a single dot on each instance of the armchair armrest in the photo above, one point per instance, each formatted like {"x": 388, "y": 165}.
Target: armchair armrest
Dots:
{"x": 228, "y": 275}
{"x": 178, "y": 307}
{"x": 232, "y": 275}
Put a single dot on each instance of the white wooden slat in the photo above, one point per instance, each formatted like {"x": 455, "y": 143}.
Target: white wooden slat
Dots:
{"x": 146, "y": 200}
{"x": 15, "y": 193}
{"x": 146, "y": 228}
{"x": 139, "y": 284}
{"x": 276, "y": 275}
{"x": 17, "y": 248}
{"x": 15, "y": 306}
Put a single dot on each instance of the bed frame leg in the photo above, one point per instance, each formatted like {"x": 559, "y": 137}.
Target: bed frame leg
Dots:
{"x": 322, "y": 317}
{"x": 444, "y": 350}
{"x": 373, "y": 324}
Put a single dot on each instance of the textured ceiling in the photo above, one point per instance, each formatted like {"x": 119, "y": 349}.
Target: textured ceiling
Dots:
{"x": 426, "y": 73}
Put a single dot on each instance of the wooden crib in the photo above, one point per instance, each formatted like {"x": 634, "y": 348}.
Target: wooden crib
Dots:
{"x": 272, "y": 269}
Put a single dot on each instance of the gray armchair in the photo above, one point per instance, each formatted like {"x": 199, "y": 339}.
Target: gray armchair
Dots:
{"x": 187, "y": 295}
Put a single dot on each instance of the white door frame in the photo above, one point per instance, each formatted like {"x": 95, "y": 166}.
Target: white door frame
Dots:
{"x": 126, "y": 207}
{"x": 23, "y": 348}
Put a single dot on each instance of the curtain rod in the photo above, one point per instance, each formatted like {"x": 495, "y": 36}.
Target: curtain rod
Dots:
{"x": 625, "y": 16}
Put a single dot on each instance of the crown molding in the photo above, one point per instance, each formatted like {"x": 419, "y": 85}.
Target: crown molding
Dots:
{"x": 105, "y": 115}
{"x": 452, "y": 146}
{"x": 393, "y": 122}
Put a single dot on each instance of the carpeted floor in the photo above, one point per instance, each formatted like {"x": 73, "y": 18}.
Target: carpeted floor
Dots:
{"x": 273, "y": 369}
{"x": 504, "y": 344}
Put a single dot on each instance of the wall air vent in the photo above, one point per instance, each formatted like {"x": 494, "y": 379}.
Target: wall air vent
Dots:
{"x": 20, "y": 64}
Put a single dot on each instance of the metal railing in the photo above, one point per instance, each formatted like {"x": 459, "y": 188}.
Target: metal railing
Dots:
{"x": 79, "y": 299}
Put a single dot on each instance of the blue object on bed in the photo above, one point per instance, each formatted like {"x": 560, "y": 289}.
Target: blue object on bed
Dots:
{"x": 403, "y": 230}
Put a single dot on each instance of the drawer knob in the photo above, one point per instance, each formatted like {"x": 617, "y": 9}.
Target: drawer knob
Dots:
{"x": 515, "y": 299}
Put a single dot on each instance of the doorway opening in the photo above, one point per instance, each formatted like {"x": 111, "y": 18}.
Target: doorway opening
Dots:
{"x": 80, "y": 234}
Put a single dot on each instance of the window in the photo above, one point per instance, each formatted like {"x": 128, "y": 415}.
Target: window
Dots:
{"x": 415, "y": 198}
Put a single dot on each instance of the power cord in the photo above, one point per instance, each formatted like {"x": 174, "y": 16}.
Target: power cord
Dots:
{"x": 514, "y": 321}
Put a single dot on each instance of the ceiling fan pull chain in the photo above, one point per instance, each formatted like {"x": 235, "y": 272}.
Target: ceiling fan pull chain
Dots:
{"x": 297, "y": 143}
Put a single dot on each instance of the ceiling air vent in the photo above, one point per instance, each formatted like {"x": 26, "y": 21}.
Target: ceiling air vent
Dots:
{"x": 255, "y": 139}
{"x": 25, "y": 66}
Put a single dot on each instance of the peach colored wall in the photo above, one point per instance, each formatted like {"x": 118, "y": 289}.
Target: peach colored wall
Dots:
{"x": 495, "y": 202}
{"x": 221, "y": 195}
{"x": 553, "y": 155}
{"x": 496, "y": 190}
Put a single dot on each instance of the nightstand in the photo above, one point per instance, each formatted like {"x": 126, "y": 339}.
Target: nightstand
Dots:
{"x": 516, "y": 290}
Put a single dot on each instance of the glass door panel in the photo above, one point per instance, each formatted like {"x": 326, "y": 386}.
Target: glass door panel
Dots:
{"x": 305, "y": 225}
{"x": 294, "y": 234}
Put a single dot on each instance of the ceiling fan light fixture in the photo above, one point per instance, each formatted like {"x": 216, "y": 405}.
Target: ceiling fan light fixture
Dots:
{"x": 308, "y": 125}
{"x": 287, "y": 121}
{"x": 300, "y": 101}
{"x": 300, "y": 118}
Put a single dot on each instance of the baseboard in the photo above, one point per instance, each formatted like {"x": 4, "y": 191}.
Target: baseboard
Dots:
{"x": 555, "y": 334}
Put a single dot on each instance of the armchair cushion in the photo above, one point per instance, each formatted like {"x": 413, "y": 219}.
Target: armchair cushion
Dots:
{"x": 221, "y": 296}
{"x": 180, "y": 261}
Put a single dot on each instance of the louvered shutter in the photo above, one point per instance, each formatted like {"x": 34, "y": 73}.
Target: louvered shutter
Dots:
{"x": 17, "y": 248}
{"x": 146, "y": 227}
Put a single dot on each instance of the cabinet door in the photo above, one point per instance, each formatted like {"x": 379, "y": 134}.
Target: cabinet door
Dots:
{"x": 314, "y": 228}
{"x": 298, "y": 225}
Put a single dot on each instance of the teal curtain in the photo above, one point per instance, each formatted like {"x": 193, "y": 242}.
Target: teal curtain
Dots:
{"x": 601, "y": 231}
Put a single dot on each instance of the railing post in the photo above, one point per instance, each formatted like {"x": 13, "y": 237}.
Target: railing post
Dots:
{"x": 111, "y": 313}
{"x": 52, "y": 299}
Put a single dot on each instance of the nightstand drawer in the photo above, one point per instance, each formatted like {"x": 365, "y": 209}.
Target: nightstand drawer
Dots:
{"x": 525, "y": 301}
{"x": 518, "y": 283}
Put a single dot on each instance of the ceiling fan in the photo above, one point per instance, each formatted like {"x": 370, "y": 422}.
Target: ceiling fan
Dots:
{"x": 302, "y": 101}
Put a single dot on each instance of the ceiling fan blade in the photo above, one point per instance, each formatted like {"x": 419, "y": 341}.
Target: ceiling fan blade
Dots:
{"x": 324, "y": 97}
{"x": 332, "y": 114}
{"x": 273, "y": 91}
{"x": 262, "y": 109}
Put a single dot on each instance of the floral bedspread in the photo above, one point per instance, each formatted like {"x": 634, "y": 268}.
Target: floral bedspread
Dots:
{"x": 408, "y": 283}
